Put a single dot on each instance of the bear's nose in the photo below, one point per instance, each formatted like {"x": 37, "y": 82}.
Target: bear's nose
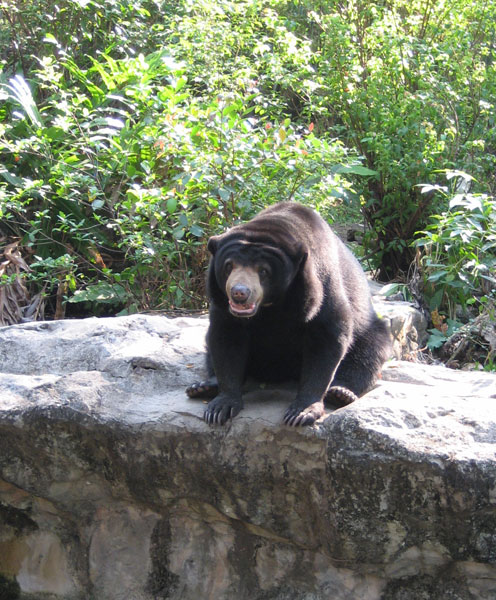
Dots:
{"x": 240, "y": 293}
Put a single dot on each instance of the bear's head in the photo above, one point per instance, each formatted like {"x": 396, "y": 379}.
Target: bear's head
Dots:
{"x": 252, "y": 274}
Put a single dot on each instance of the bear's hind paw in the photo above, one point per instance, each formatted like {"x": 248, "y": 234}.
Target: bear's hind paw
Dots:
{"x": 298, "y": 415}
{"x": 340, "y": 396}
{"x": 203, "y": 389}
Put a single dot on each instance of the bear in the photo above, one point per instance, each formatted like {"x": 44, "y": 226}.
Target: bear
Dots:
{"x": 288, "y": 300}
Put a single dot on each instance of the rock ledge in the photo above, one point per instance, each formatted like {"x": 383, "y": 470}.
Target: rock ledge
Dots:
{"x": 112, "y": 487}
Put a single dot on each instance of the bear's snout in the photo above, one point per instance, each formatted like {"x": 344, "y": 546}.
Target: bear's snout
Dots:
{"x": 240, "y": 293}
{"x": 244, "y": 291}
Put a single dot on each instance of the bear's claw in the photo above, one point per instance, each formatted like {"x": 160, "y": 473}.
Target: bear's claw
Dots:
{"x": 221, "y": 409}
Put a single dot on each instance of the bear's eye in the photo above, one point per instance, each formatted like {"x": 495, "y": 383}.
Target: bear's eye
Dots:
{"x": 228, "y": 267}
{"x": 263, "y": 272}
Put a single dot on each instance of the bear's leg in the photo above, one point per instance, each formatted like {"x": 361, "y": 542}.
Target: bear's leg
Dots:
{"x": 228, "y": 345}
{"x": 324, "y": 345}
{"x": 360, "y": 368}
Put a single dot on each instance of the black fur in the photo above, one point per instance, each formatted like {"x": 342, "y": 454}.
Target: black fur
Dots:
{"x": 316, "y": 323}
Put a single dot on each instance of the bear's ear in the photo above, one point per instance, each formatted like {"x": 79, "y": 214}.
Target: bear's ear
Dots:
{"x": 213, "y": 244}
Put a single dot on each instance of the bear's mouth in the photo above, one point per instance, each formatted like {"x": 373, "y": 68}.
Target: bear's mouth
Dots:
{"x": 242, "y": 310}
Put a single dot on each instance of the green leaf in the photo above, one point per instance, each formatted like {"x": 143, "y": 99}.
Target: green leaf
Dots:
{"x": 196, "y": 230}
{"x": 20, "y": 91}
{"x": 102, "y": 292}
{"x": 178, "y": 232}
{"x": 55, "y": 134}
{"x": 436, "y": 339}
{"x": 50, "y": 39}
{"x": 171, "y": 205}
{"x": 12, "y": 179}
{"x": 355, "y": 170}
{"x": 462, "y": 174}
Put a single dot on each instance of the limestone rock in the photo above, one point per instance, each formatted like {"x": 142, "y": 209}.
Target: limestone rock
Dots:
{"x": 112, "y": 487}
{"x": 408, "y": 325}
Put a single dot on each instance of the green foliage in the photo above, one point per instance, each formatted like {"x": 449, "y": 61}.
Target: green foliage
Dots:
{"x": 459, "y": 247}
{"x": 411, "y": 85}
{"x": 131, "y": 131}
{"x": 490, "y": 366}
{"x": 392, "y": 289}
{"x": 437, "y": 337}
{"x": 118, "y": 27}
{"x": 249, "y": 46}
{"x": 127, "y": 173}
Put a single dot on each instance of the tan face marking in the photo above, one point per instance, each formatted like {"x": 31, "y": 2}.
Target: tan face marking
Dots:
{"x": 244, "y": 290}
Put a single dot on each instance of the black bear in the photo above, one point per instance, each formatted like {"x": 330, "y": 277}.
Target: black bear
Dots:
{"x": 288, "y": 300}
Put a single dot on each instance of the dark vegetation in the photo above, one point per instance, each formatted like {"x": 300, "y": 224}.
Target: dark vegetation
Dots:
{"x": 132, "y": 131}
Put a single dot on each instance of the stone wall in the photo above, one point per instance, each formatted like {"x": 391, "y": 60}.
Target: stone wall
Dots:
{"x": 112, "y": 487}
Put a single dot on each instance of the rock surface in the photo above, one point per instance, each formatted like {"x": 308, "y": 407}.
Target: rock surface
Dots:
{"x": 408, "y": 325}
{"x": 112, "y": 487}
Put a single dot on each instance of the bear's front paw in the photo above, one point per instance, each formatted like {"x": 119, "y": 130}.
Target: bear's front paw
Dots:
{"x": 298, "y": 414}
{"x": 222, "y": 408}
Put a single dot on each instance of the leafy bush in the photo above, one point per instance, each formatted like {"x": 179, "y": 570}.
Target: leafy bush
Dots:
{"x": 459, "y": 247}
{"x": 118, "y": 27}
{"x": 140, "y": 128}
{"x": 116, "y": 182}
{"x": 410, "y": 85}
{"x": 244, "y": 47}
